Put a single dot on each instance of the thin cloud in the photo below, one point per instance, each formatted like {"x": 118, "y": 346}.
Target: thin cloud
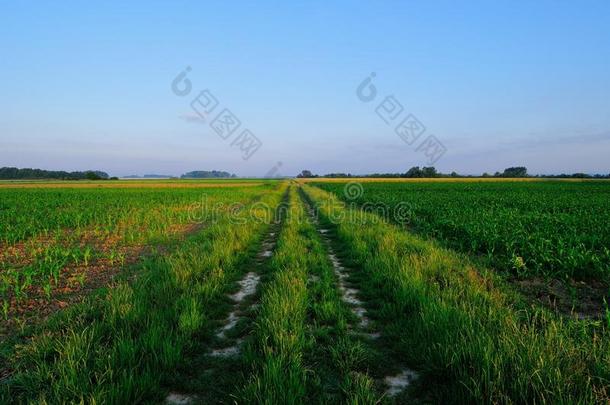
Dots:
{"x": 532, "y": 142}
{"x": 193, "y": 118}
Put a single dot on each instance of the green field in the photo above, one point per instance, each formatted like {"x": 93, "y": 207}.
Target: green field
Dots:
{"x": 284, "y": 292}
{"x": 527, "y": 228}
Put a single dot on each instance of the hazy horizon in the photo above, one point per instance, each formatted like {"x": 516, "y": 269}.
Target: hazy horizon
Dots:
{"x": 498, "y": 85}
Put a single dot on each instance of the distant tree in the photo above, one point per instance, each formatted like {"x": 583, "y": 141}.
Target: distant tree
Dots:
{"x": 581, "y": 176}
{"x": 305, "y": 174}
{"x": 92, "y": 176}
{"x": 485, "y": 174}
{"x": 519, "y": 171}
{"x": 416, "y": 172}
{"x": 413, "y": 172}
{"x": 429, "y": 172}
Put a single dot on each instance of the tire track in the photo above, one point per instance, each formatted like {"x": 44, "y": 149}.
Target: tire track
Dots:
{"x": 225, "y": 351}
{"x": 349, "y": 292}
{"x": 396, "y": 383}
{"x": 241, "y": 304}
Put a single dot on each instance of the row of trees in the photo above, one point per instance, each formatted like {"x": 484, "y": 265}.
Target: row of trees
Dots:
{"x": 431, "y": 172}
{"x": 522, "y": 172}
{"x": 203, "y": 174}
{"x": 415, "y": 171}
{"x": 13, "y": 173}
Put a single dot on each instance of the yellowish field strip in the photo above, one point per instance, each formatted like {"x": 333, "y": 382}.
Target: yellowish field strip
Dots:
{"x": 127, "y": 184}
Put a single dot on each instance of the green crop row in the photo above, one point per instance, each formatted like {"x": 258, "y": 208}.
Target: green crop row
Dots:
{"x": 76, "y": 227}
{"x": 548, "y": 228}
{"x": 29, "y": 212}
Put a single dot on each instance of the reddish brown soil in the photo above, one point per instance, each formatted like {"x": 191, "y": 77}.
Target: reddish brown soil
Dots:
{"x": 77, "y": 281}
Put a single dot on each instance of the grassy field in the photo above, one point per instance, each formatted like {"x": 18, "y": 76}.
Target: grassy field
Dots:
{"x": 528, "y": 228}
{"x": 56, "y": 241}
{"x": 469, "y": 333}
{"x": 284, "y": 292}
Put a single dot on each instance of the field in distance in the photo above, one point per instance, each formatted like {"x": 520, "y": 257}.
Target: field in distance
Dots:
{"x": 133, "y": 183}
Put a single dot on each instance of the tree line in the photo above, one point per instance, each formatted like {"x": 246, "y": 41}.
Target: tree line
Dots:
{"x": 205, "y": 174}
{"x": 13, "y": 173}
{"x": 431, "y": 172}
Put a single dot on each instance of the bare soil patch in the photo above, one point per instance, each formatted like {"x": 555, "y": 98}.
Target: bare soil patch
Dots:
{"x": 585, "y": 300}
{"x": 76, "y": 281}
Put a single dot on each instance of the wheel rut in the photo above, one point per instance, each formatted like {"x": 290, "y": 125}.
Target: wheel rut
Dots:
{"x": 241, "y": 304}
{"x": 349, "y": 291}
{"x": 224, "y": 353}
{"x": 394, "y": 383}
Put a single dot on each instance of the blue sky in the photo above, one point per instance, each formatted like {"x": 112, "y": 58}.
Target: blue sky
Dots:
{"x": 497, "y": 83}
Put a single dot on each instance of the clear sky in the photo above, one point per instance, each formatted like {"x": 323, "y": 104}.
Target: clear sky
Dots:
{"x": 498, "y": 83}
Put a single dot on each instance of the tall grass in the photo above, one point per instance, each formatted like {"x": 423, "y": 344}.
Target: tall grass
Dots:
{"x": 280, "y": 338}
{"x": 472, "y": 338}
{"x": 120, "y": 346}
